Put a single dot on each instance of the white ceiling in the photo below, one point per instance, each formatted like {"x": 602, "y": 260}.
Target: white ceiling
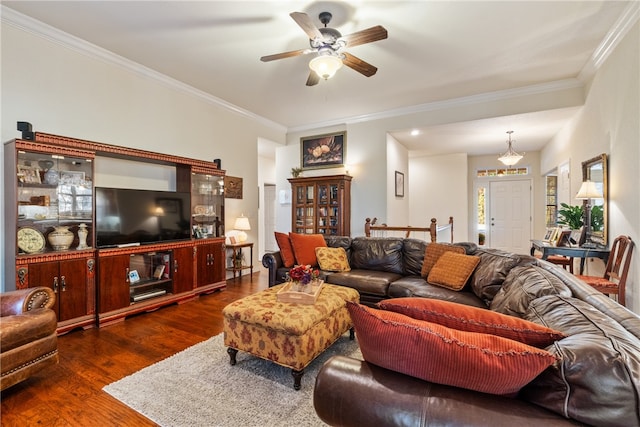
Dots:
{"x": 436, "y": 51}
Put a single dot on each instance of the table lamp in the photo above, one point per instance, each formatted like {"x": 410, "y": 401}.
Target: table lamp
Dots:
{"x": 242, "y": 225}
{"x": 588, "y": 190}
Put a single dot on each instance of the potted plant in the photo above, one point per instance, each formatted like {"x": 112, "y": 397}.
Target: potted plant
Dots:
{"x": 571, "y": 216}
{"x": 597, "y": 218}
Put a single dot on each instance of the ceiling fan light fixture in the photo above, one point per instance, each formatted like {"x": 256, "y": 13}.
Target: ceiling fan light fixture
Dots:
{"x": 510, "y": 157}
{"x": 325, "y": 66}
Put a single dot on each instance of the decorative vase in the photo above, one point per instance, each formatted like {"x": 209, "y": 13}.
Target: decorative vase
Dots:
{"x": 301, "y": 287}
{"x": 51, "y": 177}
{"x": 82, "y": 236}
{"x": 60, "y": 238}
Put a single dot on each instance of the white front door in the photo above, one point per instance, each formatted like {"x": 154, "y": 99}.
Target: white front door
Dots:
{"x": 510, "y": 215}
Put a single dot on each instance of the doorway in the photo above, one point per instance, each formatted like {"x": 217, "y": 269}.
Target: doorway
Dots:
{"x": 509, "y": 215}
{"x": 269, "y": 228}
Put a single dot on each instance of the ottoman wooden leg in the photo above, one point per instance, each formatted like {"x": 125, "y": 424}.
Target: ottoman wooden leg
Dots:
{"x": 297, "y": 376}
{"x": 232, "y": 355}
{"x": 352, "y": 334}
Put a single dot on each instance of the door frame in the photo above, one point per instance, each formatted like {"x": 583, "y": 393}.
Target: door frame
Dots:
{"x": 486, "y": 183}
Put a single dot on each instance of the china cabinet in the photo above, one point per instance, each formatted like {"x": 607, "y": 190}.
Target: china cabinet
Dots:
{"x": 321, "y": 205}
{"x": 49, "y": 217}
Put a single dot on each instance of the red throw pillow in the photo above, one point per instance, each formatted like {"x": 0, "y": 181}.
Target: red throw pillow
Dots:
{"x": 432, "y": 352}
{"x": 286, "y": 250}
{"x": 473, "y": 319}
{"x": 304, "y": 247}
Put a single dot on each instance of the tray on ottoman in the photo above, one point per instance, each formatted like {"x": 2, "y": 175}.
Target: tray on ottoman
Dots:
{"x": 288, "y": 294}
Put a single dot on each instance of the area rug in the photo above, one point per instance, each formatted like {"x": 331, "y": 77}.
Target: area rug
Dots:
{"x": 199, "y": 387}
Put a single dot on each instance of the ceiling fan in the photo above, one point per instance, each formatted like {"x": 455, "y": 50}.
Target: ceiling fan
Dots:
{"x": 328, "y": 44}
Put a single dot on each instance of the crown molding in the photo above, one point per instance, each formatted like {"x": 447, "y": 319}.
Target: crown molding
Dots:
{"x": 451, "y": 103}
{"x": 620, "y": 29}
{"x": 52, "y": 34}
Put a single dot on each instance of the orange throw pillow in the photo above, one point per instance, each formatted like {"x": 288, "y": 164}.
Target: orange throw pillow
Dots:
{"x": 286, "y": 250}
{"x": 452, "y": 270}
{"x": 432, "y": 352}
{"x": 433, "y": 253}
{"x": 473, "y": 319}
{"x": 304, "y": 247}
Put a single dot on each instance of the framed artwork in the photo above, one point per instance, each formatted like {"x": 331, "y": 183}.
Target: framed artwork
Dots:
{"x": 28, "y": 174}
{"x": 399, "y": 184}
{"x": 134, "y": 277}
{"x": 323, "y": 151}
{"x": 232, "y": 187}
{"x": 71, "y": 177}
{"x": 549, "y": 234}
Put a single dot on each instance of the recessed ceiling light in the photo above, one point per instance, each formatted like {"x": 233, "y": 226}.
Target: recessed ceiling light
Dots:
{"x": 415, "y": 132}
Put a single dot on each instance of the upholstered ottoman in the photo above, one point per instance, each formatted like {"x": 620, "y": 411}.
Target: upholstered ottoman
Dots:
{"x": 289, "y": 334}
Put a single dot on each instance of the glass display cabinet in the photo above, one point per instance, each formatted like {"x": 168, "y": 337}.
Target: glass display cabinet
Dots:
{"x": 54, "y": 201}
{"x": 207, "y": 203}
{"x": 321, "y": 205}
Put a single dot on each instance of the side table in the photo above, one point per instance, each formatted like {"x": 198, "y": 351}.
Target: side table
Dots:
{"x": 237, "y": 264}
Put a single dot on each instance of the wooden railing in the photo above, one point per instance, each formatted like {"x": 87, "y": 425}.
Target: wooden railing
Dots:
{"x": 434, "y": 230}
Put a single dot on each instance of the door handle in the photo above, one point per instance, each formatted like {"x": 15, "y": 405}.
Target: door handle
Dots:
{"x": 55, "y": 285}
{"x": 64, "y": 283}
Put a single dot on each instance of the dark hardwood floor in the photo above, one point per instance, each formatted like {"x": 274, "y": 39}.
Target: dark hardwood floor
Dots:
{"x": 70, "y": 394}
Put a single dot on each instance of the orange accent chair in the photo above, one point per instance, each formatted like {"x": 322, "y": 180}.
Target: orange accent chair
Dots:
{"x": 615, "y": 274}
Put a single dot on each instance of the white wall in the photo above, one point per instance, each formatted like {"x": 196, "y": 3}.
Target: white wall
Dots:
{"x": 609, "y": 123}
{"x": 398, "y": 208}
{"x": 439, "y": 190}
{"x": 67, "y": 92}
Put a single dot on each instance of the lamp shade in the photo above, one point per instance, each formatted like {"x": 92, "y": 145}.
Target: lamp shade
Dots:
{"x": 242, "y": 223}
{"x": 325, "y": 66}
{"x": 588, "y": 190}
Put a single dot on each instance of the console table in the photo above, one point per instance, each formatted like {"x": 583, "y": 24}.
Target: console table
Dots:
{"x": 576, "y": 252}
{"x": 236, "y": 249}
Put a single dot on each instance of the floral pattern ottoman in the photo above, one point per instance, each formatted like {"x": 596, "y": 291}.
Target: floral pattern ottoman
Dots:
{"x": 289, "y": 334}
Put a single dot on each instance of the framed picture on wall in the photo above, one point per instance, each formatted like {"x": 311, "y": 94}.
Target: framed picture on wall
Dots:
{"x": 399, "y": 184}
{"x": 323, "y": 151}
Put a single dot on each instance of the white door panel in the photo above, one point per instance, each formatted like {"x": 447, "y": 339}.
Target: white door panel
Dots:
{"x": 510, "y": 215}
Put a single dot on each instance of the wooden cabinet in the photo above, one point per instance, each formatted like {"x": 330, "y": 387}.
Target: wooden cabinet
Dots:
{"x": 113, "y": 282}
{"x": 183, "y": 274}
{"x": 321, "y": 205}
{"x": 73, "y": 281}
{"x": 210, "y": 265}
{"x": 50, "y": 231}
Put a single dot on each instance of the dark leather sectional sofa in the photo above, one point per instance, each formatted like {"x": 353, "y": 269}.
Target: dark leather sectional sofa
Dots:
{"x": 596, "y": 380}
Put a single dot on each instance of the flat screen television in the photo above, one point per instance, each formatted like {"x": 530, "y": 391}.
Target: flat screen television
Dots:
{"x": 127, "y": 216}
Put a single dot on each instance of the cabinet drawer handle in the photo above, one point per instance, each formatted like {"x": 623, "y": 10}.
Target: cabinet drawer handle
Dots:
{"x": 175, "y": 265}
{"x": 55, "y": 285}
{"x": 126, "y": 275}
{"x": 64, "y": 283}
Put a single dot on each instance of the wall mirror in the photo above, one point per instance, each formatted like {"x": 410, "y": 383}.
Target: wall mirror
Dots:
{"x": 595, "y": 170}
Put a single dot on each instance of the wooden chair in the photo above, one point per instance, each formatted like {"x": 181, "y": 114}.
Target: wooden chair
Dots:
{"x": 615, "y": 274}
{"x": 562, "y": 260}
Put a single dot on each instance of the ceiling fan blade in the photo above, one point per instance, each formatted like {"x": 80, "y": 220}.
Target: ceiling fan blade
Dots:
{"x": 283, "y": 55}
{"x": 365, "y": 36}
{"x": 359, "y": 65}
{"x": 313, "y": 78}
{"x": 307, "y": 25}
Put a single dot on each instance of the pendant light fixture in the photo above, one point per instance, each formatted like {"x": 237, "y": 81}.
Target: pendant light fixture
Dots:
{"x": 510, "y": 157}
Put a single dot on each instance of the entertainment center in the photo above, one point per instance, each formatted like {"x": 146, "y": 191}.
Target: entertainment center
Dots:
{"x": 109, "y": 252}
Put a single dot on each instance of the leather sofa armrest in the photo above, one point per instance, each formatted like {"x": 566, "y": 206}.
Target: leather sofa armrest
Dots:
{"x": 23, "y": 300}
{"x": 350, "y": 392}
{"x": 272, "y": 261}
